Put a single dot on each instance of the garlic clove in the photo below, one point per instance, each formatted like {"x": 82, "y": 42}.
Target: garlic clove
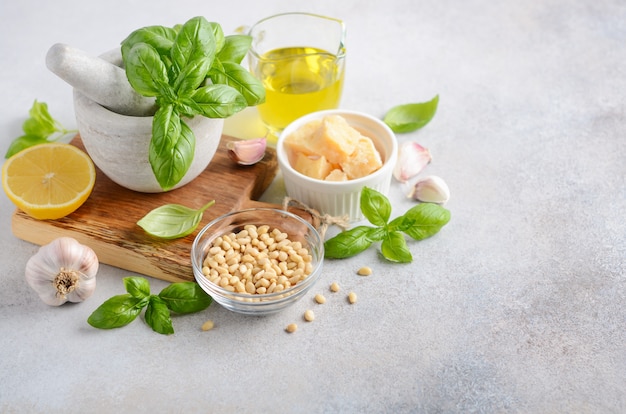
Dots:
{"x": 247, "y": 152}
{"x": 412, "y": 159}
{"x": 431, "y": 189}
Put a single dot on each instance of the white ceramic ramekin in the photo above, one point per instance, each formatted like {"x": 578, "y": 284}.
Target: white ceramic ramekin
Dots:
{"x": 340, "y": 198}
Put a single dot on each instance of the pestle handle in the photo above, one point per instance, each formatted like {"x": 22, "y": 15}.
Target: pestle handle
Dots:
{"x": 99, "y": 80}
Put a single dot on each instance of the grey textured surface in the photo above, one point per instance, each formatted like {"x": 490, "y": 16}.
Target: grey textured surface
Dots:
{"x": 518, "y": 305}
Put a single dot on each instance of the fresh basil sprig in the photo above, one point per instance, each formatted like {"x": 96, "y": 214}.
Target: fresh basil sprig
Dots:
{"x": 410, "y": 117}
{"x": 120, "y": 310}
{"x": 39, "y": 128}
{"x": 419, "y": 222}
{"x": 172, "y": 221}
{"x": 192, "y": 70}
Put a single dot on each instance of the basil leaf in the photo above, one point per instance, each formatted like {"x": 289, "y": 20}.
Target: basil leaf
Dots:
{"x": 172, "y": 147}
{"x": 138, "y": 287}
{"x": 375, "y": 206}
{"x": 235, "y": 48}
{"x": 172, "y": 221}
{"x": 218, "y": 101}
{"x": 24, "y": 142}
{"x": 145, "y": 70}
{"x": 218, "y": 35}
{"x": 244, "y": 82}
{"x": 185, "y": 297}
{"x": 348, "y": 243}
{"x": 395, "y": 249}
{"x": 425, "y": 220}
{"x": 116, "y": 312}
{"x": 159, "y": 37}
{"x": 192, "y": 55}
{"x": 40, "y": 122}
{"x": 158, "y": 316}
{"x": 410, "y": 117}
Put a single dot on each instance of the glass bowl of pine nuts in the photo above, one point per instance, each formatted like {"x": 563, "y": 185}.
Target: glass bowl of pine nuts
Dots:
{"x": 257, "y": 261}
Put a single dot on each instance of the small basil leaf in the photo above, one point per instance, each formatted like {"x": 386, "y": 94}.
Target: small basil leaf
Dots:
{"x": 235, "y": 48}
{"x": 244, "y": 82}
{"x": 23, "y": 142}
{"x": 195, "y": 43}
{"x": 394, "y": 248}
{"x": 145, "y": 70}
{"x": 116, "y": 312}
{"x": 410, "y": 117}
{"x": 172, "y": 147}
{"x": 40, "y": 122}
{"x": 425, "y": 220}
{"x": 375, "y": 206}
{"x": 159, "y": 37}
{"x": 158, "y": 316}
{"x": 185, "y": 297}
{"x": 138, "y": 287}
{"x": 172, "y": 221}
{"x": 218, "y": 101}
{"x": 348, "y": 243}
{"x": 218, "y": 36}
{"x": 192, "y": 55}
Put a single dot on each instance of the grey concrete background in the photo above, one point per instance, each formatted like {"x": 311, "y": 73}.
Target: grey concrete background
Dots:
{"x": 518, "y": 305}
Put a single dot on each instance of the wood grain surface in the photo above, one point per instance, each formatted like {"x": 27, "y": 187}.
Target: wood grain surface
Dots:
{"x": 107, "y": 222}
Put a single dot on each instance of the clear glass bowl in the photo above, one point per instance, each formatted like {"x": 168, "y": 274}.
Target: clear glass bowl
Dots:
{"x": 296, "y": 227}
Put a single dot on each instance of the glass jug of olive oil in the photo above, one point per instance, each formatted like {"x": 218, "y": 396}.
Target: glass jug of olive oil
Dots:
{"x": 300, "y": 58}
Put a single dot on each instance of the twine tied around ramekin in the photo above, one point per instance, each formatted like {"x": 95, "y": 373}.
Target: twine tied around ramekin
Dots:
{"x": 320, "y": 221}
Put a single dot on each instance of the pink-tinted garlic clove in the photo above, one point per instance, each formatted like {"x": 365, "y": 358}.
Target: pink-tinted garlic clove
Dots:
{"x": 247, "y": 152}
{"x": 431, "y": 189}
{"x": 412, "y": 159}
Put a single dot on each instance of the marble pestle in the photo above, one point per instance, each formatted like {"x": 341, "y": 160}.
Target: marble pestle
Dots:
{"x": 99, "y": 78}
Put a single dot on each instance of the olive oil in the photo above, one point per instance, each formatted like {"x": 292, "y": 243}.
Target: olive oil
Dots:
{"x": 298, "y": 81}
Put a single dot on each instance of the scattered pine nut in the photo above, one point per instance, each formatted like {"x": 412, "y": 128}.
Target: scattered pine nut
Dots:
{"x": 335, "y": 287}
{"x": 364, "y": 271}
{"x": 208, "y": 325}
{"x": 352, "y": 297}
{"x": 309, "y": 316}
{"x": 319, "y": 298}
{"x": 291, "y": 328}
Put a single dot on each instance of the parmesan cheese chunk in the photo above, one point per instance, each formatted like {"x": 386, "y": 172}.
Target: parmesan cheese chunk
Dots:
{"x": 335, "y": 139}
{"x": 314, "y": 166}
{"x": 336, "y": 175}
{"x": 363, "y": 161}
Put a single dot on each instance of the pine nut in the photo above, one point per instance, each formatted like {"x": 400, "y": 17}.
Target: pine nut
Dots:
{"x": 335, "y": 287}
{"x": 319, "y": 298}
{"x": 208, "y": 325}
{"x": 352, "y": 297}
{"x": 364, "y": 271}
{"x": 309, "y": 316}
{"x": 291, "y": 328}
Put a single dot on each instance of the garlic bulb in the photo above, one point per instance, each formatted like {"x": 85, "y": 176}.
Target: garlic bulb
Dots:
{"x": 431, "y": 189}
{"x": 412, "y": 159}
{"x": 247, "y": 152}
{"x": 62, "y": 271}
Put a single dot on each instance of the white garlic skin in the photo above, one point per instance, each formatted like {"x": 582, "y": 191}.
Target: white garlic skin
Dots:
{"x": 431, "y": 189}
{"x": 412, "y": 159}
{"x": 247, "y": 152}
{"x": 80, "y": 263}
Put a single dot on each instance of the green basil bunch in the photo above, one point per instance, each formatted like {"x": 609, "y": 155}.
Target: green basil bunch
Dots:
{"x": 120, "y": 310}
{"x": 419, "y": 222}
{"x": 192, "y": 69}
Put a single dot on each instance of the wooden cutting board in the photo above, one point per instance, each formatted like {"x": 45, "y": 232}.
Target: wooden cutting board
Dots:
{"x": 107, "y": 222}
